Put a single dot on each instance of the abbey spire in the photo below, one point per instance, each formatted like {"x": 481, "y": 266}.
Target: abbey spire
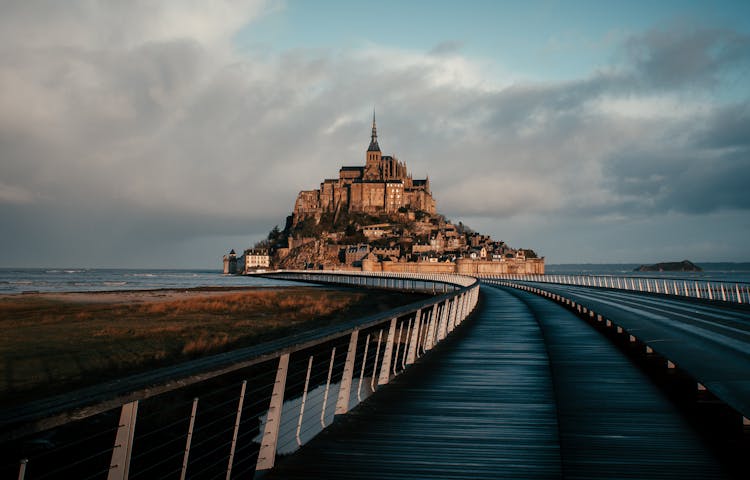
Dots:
{"x": 374, "y": 147}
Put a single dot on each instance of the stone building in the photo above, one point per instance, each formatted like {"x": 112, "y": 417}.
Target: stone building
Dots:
{"x": 382, "y": 186}
{"x": 254, "y": 259}
{"x": 353, "y": 254}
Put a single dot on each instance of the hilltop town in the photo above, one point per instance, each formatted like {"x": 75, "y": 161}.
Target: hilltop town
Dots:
{"x": 377, "y": 218}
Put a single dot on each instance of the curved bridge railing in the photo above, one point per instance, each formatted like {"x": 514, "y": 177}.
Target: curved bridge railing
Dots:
{"x": 230, "y": 415}
{"x": 735, "y": 292}
{"x": 428, "y": 283}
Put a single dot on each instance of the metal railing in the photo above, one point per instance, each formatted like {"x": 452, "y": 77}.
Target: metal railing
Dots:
{"x": 231, "y": 415}
{"x": 734, "y": 292}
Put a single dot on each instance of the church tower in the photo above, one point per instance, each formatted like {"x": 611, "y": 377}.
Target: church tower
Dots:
{"x": 372, "y": 164}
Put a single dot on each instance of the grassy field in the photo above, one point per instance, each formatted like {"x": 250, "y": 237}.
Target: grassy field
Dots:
{"x": 55, "y": 342}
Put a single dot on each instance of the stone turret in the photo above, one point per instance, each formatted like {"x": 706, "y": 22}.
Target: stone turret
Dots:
{"x": 230, "y": 263}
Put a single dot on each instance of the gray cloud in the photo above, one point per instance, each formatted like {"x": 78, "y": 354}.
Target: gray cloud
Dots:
{"x": 687, "y": 54}
{"x": 142, "y": 145}
{"x": 448, "y": 47}
{"x": 727, "y": 127}
{"x": 682, "y": 181}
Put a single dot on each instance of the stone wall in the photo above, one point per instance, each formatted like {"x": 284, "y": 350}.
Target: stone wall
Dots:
{"x": 462, "y": 266}
{"x": 487, "y": 267}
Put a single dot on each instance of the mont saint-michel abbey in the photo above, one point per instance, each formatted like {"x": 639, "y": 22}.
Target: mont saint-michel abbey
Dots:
{"x": 376, "y": 217}
{"x": 382, "y": 185}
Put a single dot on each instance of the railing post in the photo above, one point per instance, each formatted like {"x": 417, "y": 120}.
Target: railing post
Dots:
{"x": 456, "y": 311}
{"x": 120, "y": 462}
{"x": 183, "y": 472}
{"x": 342, "y": 404}
{"x": 385, "y": 368}
{"x": 236, "y": 429}
{"x": 430, "y": 342}
{"x": 304, "y": 400}
{"x": 362, "y": 371}
{"x": 443, "y": 329}
{"x": 414, "y": 341}
{"x": 424, "y": 324}
{"x": 459, "y": 308}
{"x": 22, "y": 468}
{"x": 375, "y": 363}
{"x": 267, "y": 453}
{"x": 328, "y": 386}
{"x": 398, "y": 347}
{"x": 451, "y": 315}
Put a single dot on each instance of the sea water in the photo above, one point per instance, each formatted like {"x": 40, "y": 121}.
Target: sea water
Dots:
{"x": 723, "y": 272}
{"x": 19, "y": 280}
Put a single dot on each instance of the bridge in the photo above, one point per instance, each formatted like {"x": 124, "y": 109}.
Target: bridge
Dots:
{"x": 534, "y": 377}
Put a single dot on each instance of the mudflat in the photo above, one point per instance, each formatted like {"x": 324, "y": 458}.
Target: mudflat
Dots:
{"x": 54, "y": 342}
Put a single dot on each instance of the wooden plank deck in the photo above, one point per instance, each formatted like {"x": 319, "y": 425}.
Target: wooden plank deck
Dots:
{"x": 478, "y": 406}
{"x": 711, "y": 342}
{"x": 614, "y": 423}
{"x": 496, "y": 401}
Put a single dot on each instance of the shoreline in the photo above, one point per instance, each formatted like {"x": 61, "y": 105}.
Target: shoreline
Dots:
{"x": 155, "y": 294}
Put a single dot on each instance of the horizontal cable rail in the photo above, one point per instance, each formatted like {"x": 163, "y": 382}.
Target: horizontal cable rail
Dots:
{"x": 733, "y": 292}
{"x": 231, "y": 414}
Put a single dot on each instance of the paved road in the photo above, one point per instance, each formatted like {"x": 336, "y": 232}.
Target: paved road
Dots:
{"x": 524, "y": 389}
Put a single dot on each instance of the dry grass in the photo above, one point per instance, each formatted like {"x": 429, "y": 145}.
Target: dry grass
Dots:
{"x": 51, "y": 344}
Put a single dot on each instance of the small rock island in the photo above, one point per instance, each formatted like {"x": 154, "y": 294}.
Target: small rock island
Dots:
{"x": 683, "y": 266}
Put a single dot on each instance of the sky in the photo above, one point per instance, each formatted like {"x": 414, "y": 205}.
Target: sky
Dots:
{"x": 161, "y": 134}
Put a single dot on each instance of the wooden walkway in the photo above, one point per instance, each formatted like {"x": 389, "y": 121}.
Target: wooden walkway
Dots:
{"x": 614, "y": 422}
{"x": 497, "y": 401}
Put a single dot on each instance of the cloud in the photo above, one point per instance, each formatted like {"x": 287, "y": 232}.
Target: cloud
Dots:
{"x": 687, "y": 55}
{"x": 728, "y": 127}
{"x": 105, "y": 25}
{"x": 147, "y": 117}
{"x": 15, "y": 195}
{"x": 449, "y": 47}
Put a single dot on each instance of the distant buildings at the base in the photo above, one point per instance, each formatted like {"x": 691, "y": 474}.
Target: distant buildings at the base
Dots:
{"x": 367, "y": 258}
{"x": 250, "y": 260}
